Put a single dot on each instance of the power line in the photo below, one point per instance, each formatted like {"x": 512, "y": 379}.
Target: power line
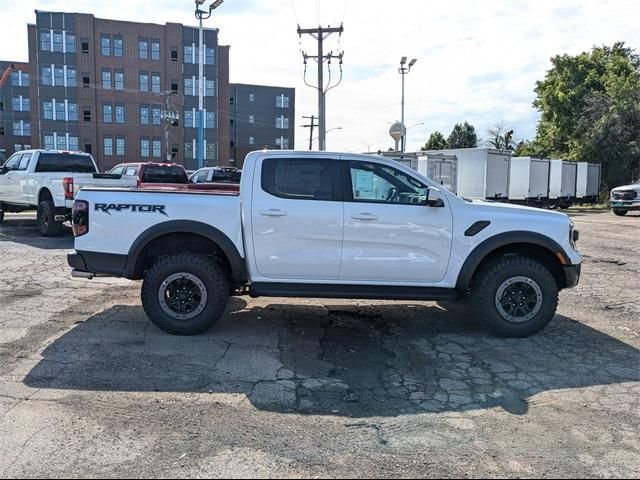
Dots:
{"x": 320, "y": 34}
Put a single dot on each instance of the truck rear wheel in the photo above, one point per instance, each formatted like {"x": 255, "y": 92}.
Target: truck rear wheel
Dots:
{"x": 621, "y": 212}
{"x": 514, "y": 296}
{"x": 46, "y": 220}
{"x": 185, "y": 294}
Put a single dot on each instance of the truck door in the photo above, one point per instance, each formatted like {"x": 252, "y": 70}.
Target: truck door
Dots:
{"x": 391, "y": 235}
{"x": 24, "y": 191}
{"x": 8, "y": 180}
{"x": 297, "y": 218}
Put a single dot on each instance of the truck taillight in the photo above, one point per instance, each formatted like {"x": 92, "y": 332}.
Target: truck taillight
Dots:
{"x": 80, "y": 218}
{"x": 67, "y": 185}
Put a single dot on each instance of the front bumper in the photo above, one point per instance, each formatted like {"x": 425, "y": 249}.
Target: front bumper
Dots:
{"x": 572, "y": 275}
{"x": 625, "y": 204}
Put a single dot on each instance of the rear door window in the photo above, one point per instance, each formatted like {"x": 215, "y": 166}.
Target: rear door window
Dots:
{"x": 300, "y": 179}
{"x": 65, "y": 162}
{"x": 117, "y": 171}
{"x": 164, "y": 174}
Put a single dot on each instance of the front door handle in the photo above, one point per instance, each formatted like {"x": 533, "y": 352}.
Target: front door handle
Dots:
{"x": 364, "y": 216}
{"x": 273, "y": 213}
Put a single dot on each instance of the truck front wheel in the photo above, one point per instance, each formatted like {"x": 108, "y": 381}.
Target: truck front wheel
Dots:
{"x": 514, "y": 296}
{"x": 621, "y": 212}
{"x": 185, "y": 294}
{"x": 47, "y": 220}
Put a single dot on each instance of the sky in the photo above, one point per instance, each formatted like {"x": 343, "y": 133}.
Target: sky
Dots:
{"x": 476, "y": 61}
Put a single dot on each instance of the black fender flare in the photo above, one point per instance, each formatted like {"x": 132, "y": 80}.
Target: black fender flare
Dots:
{"x": 238, "y": 267}
{"x": 502, "y": 240}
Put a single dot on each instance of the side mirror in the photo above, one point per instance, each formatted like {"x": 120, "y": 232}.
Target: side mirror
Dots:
{"x": 3, "y": 170}
{"x": 434, "y": 202}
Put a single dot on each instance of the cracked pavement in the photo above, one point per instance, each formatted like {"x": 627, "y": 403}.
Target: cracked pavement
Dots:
{"x": 306, "y": 388}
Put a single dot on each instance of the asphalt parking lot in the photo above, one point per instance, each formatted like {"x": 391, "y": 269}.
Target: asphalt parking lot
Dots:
{"x": 307, "y": 388}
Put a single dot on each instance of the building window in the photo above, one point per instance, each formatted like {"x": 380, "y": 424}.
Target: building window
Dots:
{"x": 108, "y": 146}
{"x": 209, "y": 88}
{"x": 71, "y": 77}
{"x": 86, "y": 114}
{"x": 105, "y": 45}
{"x": 251, "y": 140}
{"x": 120, "y": 146}
{"x": 59, "y": 111}
{"x": 106, "y": 79}
{"x": 61, "y": 142}
{"x": 72, "y": 112}
{"x": 282, "y": 122}
{"x": 210, "y": 120}
{"x": 58, "y": 76}
{"x": 188, "y": 86}
{"x": 282, "y": 143}
{"x": 155, "y": 49}
{"x": 19, "y": 79}
{"x": 188, "y": 150}
{"x": 120, "y": 114}
{"x": 155, "y": 82}
{"x": 156, "y": 116}
{"x": 70, "y": 43}
{"x": 209, "y": 56}
{"x": 45, "y": 41}
{"x": 143, "y": 48}
{"x": 144, "y": 147}
{"x": 174, "y": 87}
{"x": 86, "y": 81}
{"x": 157, "y": 148}
{"x": 252, "y": 119}
{"x": 282, "y": 101}
{"x": 107, "y": 113}
{"x": 47, "y": 75}
{"x": 210, "y": 151}
{"x": 85, "y": 47}
{"x": 188, "y": 54}
{"x": 74, "y": 143}
{"x": 144, "y": 82}
{"x": 47, "y": 110}
{"x": 21, "y": 129}
{"x": 49, "y": 141}
{"x": 174, "y": 55}
{"x": 144, "y": 114}
{"x": 252, "y": 97}
{"x": 118, "y": 46}
{"x": 20, "y": 104}
{"x": 189, "y": 119}
{"x": 57, "y": 42}
{"x": 119, "y": 79}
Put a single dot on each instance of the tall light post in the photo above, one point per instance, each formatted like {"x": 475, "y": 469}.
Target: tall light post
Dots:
{"x": 327, "y": 131}
{"x": 202, "y": 15}
{"x": 403, "y": 70}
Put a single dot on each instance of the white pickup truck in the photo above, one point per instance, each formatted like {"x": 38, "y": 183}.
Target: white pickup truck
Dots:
{"x": 47, "y": 181}
{"x": 326, "y": 225}
{"x": 625, "y": 199}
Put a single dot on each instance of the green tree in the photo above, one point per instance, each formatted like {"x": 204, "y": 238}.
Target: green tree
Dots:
{"x": 436, "y": 142}
{"x": 463, "y": 136}
{"x": 590, "y": 106}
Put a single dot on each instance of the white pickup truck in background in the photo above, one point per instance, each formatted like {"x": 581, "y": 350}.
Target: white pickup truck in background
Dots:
{"x": 332, "y": 225}
{"x": 47, "y": 181}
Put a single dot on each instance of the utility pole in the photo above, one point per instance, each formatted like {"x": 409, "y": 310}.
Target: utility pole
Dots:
{"x": 320, "y": 34}
{"x": 170, "y": 118}
{"x": 312, "y": 125}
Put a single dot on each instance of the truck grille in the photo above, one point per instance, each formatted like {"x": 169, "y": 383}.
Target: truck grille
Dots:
{"x": 625, "y": 195}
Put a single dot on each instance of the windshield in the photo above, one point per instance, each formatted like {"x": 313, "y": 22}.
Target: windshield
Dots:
{"x": 65, "y": 162}
{"x": 164, "y": 174}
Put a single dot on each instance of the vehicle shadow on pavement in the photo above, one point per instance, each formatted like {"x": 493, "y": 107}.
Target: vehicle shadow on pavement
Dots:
{"x": 350, "y": 360}
{"x": 25, "y": 231}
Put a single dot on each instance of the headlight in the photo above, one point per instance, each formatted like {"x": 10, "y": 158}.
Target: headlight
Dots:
{"x": 574, "y": 235}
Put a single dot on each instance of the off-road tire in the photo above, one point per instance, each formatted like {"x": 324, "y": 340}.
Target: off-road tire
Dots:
{"x": 46, "y": 220}
{"x": 207, "y": 271}
{"x": 620, "y": 212}
{"x": 497, "y": 273}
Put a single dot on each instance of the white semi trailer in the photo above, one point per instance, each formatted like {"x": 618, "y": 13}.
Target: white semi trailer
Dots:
{"x": 529, "y": 181}
{"x": 587, "y": 182}
{"x": 562, "y": 183}
{"x": 441, "y": 168}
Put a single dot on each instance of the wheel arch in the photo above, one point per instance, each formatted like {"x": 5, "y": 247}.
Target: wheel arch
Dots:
{"x": 529, "y": 244}
{"x": 184, "y": 235}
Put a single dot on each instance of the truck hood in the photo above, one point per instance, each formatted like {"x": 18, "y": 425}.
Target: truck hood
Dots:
{"x": 506, "y": 208}
{"x": 634, "y": 186}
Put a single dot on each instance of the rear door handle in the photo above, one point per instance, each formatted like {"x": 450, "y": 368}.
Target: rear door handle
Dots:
{"x": 364, "y": 216}
{"x": 273, "y": 213}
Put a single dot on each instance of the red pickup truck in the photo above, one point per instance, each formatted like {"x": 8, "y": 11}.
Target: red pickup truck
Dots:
{"x": 167, "y": 176}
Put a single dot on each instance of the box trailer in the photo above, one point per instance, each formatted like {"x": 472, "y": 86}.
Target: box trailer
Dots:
{"x": 483, "y": 173}
{"x": 587, "y": 182}
{"x": 529, "y": 181}
{"x": 562, "y": 183}
{"x": 441, "y": 168}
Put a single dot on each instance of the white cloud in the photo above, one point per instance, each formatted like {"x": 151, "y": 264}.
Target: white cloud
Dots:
{"x": 477, "y": 61}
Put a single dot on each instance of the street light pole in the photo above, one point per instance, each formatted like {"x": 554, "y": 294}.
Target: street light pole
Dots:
{"x": 200, "y": 15}
{"x": 403, "y": 70}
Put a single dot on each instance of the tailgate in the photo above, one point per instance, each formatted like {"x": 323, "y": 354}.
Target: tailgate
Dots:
{"x": 102, "y": 180}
